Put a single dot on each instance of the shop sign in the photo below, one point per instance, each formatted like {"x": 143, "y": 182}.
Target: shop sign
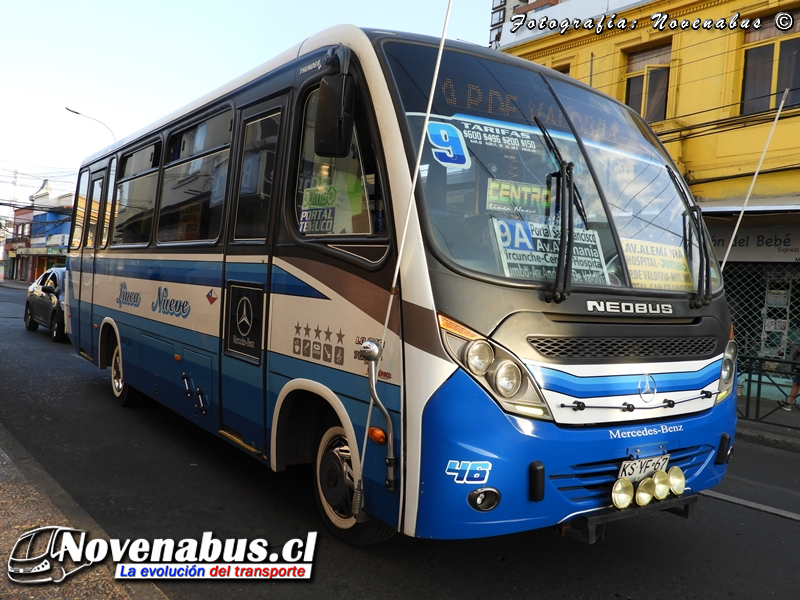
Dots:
{"x": 757, "y": 244}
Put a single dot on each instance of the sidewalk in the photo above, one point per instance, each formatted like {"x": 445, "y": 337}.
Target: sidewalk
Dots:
{"x": 30, "y": 498}
{"x": 14, "y": 284}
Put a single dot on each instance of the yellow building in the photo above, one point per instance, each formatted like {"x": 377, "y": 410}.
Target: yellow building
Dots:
{"x": 708, "y": 76}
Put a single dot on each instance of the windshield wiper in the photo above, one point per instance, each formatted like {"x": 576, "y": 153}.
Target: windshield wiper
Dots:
{"x": 703, "y": 295}
{"x": 567, "y": 196}
{"x": 559, "y": 160}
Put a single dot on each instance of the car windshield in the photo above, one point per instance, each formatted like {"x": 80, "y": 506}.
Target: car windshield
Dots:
{"x": 509, "y": 150}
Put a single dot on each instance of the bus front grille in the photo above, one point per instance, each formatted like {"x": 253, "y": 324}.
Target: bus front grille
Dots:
{"x": 591, "y": 482}
{"x": 608, "y": 347}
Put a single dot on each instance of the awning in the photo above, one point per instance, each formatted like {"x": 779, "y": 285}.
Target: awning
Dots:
{"x": 759, "y": 204}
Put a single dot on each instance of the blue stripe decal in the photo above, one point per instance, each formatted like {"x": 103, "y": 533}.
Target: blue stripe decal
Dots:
{"x": 622, "y": 385}
{"x": 205, "y": 273}
{"x": 289, "y": 285}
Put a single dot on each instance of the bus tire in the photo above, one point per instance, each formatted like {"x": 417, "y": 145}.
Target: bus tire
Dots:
{"x": 333, "y": 490}
{"x": 123, "y": 392}
{"x": 30, "y": 324}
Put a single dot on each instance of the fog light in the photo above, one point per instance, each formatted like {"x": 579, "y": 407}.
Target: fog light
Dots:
{"x": 661, "y": 480}
{"x": 677, "y": 481}
{"x": 645, "y": 491}
{"x": 622, "y": 493}
{"x": 484, "y": 499}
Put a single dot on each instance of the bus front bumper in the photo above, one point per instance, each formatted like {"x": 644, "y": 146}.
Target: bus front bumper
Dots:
{"x": 532, "y": 474}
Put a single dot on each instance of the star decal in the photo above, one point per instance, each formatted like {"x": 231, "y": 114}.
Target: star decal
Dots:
{"x": 328, "y": 334}
{"x": 308, "y": 330}
{"x": 297, "y": 328}
{"x": 340, "y": 336}
{"x": 317, "y": 331}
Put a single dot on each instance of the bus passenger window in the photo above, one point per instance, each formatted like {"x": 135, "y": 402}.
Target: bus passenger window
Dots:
{"x": 332, "y": 193}
{"x": 136, "y": 196}
{"x": 105, "y": 221}
{"x": 257, "y": 177}
{"x": 80, "y": 211}
{"x": 94, "y": 211}
{"x": 193, "y": 190}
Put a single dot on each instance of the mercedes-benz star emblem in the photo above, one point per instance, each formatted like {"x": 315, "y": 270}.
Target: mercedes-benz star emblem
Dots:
{"x": 244, "y": 316}
{"x": 647, "y": 388}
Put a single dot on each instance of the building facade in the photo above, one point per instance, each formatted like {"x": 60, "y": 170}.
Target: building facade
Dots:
{"x": 40, "y": 235}
{"x": 709, "y": 77}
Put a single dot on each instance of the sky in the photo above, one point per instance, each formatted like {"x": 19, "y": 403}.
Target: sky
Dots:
{"x": 129, "y": 63}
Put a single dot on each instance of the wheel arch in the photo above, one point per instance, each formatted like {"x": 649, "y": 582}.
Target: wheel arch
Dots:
{"x": 109, "y": 335}
{"x": 301, "y": 407}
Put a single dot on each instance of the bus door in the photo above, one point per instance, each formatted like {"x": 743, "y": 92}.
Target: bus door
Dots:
{"x": 87, "y": 339}
{"x": 247, "y": 261}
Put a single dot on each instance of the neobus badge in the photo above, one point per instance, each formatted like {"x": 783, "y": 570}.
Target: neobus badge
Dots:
{"x": 629, "y": 308}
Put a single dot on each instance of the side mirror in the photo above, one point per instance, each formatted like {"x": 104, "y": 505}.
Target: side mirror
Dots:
{"x": 333, "y": 130}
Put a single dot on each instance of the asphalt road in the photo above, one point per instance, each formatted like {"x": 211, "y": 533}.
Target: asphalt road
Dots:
{"x": 144, "y": 472}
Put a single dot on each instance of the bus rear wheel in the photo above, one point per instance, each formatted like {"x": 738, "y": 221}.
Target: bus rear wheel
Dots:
{"x": 123, "y": 392}
{"x": 334, "y": 486}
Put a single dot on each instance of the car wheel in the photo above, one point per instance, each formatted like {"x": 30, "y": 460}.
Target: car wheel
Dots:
{"x": 123, "y": 392}
{"x": 30, "y": 324}
{"x": 57, "y": 329}
{"x": 334, "y": 487}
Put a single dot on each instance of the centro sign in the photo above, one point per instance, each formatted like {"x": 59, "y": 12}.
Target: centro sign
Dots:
{"x": 629, "y": 308}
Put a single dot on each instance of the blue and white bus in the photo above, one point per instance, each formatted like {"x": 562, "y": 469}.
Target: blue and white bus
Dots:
{"x": 496, "y": 315}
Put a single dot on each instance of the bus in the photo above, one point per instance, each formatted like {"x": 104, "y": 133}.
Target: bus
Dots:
{"x": 475, "y": 295}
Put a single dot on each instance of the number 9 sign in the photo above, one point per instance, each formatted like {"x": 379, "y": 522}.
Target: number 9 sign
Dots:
{"x": 451, "y": 150}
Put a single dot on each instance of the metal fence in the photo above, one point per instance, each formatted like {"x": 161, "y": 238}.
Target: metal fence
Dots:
{"x": 761, "y": 389}
{"x": 764, "y": 300}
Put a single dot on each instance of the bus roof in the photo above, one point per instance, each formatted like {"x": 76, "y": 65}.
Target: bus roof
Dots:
{"x": 346, "y": 34}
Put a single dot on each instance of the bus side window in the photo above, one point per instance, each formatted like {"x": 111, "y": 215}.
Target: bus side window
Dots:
{"x": 333, "y": 194}
{"x": 257, "y": 178}
{"x": 193, "y": 188}
{"x": 94, "y": 211}
{"x": 80, "y": 212}
{"x": 105, "y": 219}
{"x": 136, "y": 196}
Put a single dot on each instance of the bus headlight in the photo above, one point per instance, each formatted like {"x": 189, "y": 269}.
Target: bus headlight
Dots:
{"x": 728, "y": 371}
{"x": 507, "y": 379}
{"x": 478, "y": 356}
{"x": 497, "y": 370}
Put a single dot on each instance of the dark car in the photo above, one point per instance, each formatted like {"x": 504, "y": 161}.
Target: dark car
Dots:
{"x": 44, "y": 304}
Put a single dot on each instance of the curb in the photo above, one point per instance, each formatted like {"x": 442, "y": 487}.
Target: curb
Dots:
{"x": 764, "y": 434}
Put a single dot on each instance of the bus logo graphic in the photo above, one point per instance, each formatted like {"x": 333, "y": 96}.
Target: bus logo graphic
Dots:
{"x": 647, "y": 388}
{"x": 469, "y": 472}
{"x": 244, "y": 316}
{"x": 38, "y": 555}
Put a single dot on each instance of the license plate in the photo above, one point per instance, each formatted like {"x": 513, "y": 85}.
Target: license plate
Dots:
{"x": 636, "y": 470}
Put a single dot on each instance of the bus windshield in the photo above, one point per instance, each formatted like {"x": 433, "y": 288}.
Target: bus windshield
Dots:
{"x": 502, "y": 160}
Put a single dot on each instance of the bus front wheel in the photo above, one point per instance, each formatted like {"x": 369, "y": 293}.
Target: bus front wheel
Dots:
{"x": 334, "y": 485}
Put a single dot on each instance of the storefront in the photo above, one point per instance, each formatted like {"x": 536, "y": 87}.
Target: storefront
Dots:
{"x": 762, "y": 277}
